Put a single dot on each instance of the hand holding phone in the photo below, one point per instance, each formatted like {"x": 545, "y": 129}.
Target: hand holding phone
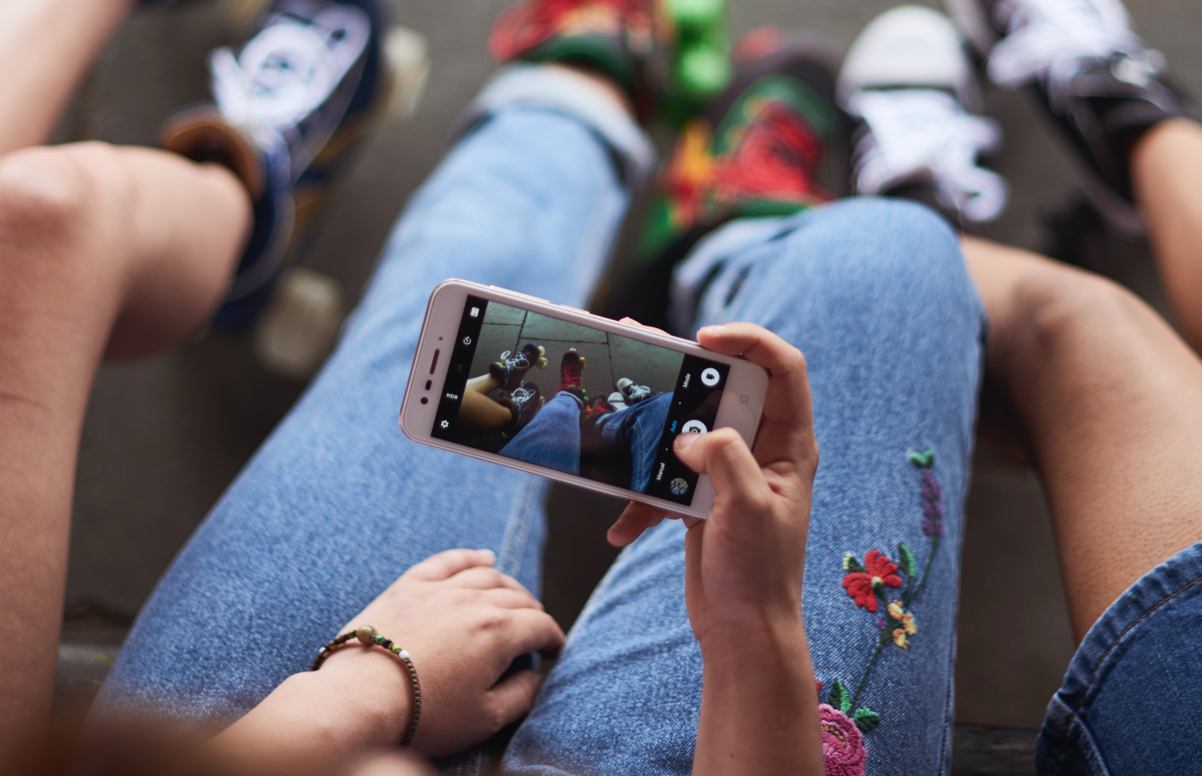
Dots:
{"x": 744, "y": 567}
{"x": 751, "y": 553}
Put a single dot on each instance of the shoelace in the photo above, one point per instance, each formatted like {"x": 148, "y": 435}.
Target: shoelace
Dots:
{"x": 522, "y": 396}
{"x": 519, "y": 361}
{"x": 1052, "y": 38}
{"x": 636, "y": 393}
{"x": 287, "y": 72}
{"x": 916, "y": 130}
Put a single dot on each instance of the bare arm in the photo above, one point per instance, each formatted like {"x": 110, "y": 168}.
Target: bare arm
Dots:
{"x": 744, "y": 565}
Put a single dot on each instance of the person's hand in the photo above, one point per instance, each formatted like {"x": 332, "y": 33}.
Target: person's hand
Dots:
{"x": 462, "y": 622}
{"x": 744, "y": 563}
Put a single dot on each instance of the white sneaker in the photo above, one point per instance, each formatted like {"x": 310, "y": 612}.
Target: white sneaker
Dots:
{"x": 617, "y": 400}
{"x": 909, "y": 81}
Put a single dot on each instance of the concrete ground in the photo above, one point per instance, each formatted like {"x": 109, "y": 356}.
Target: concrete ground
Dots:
{"x": 607, "y": 357}
{"x": 165, "y": 436}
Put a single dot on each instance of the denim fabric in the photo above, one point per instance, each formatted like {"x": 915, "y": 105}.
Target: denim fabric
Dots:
{"x": 876, "y": 295}
{"x": 337, "y": 503}
{"x": 1128, "y": 704}
{"x": 552, "y": 437}
{"x": 639, "y": 427}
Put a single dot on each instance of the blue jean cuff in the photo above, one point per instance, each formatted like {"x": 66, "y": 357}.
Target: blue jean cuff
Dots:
{"x": 525, "y": 85}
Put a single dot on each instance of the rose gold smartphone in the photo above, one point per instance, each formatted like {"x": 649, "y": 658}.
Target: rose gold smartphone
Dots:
{"x": 560, "y": 392}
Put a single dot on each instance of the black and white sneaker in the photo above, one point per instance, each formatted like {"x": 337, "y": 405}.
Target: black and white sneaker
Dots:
{"x": 524, "y": 401}
{"x": 291, "y": 106}
{"x": 910, "y": 87}
{"x": 512, "y": 367}
{"x": 1097, "y": 79}
{"x": 629, "y": 392}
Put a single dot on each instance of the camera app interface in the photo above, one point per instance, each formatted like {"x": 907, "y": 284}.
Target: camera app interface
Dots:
{"x": 568, "y": 397}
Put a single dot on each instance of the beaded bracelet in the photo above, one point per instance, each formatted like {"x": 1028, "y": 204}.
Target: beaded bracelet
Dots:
{"x": 368, "y": 636}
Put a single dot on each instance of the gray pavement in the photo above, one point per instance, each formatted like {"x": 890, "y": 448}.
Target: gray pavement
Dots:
{"x": 164, "y": 437}
{"x": 608, "y": 357}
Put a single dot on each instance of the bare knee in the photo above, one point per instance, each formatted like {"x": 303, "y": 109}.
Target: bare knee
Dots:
{"x": 59, "y": 208}
{"x": 42, "y": 197}
{"x": 1059, "y": 312}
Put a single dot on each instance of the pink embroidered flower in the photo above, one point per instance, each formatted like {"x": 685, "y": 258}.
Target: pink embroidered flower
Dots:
{"x": 899, "y": 638}
{"x": 909, "y": 625}
{"x": 842, "y": 745}
{"x": 862, "y": 585}
{"x": 895, "y": 610}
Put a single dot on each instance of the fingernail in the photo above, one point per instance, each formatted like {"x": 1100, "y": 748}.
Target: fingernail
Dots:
{"x": 684, "y": 441}
{"x": 714, "y": 327}
{"x": 488, "y": 555}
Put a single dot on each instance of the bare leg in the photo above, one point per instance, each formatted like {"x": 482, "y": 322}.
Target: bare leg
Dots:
{"x": 45, "y": 48}
{"x": 1166, "y": 170}
{"x": 483, "y": 384}
{"x": 1110, "y": 400}
{"x": 478, "y": 411}
{"x": 101, "y": 248}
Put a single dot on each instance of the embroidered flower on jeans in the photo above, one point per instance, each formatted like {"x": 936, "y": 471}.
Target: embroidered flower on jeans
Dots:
{"x": 865, "y": 582}
{"x": 844, "y": 720}
{"x": 842, "y": 744}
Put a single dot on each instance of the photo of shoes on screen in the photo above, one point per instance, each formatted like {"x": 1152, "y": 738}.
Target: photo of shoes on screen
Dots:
{"x": 576, "y": 399}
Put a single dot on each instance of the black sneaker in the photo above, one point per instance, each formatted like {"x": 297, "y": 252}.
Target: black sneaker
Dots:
{"x": 291, "y": 105}
{"x": 1098, "y": 80}
{"x": 524, "y": 402}
{"x": 511, "y": 369}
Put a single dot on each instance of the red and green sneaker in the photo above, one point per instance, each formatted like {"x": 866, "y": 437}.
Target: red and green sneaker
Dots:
{"x": 571, "y": 367}
{"x": 619, "y": 37}
{"x": 758, "y": 150}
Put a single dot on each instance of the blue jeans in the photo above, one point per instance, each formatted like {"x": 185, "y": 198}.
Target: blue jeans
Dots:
{"x": 552, "y": 437}
{"x": 338, "y": 503}
{"x": 1129, "y": 699}
{"x": 639, "y": 427}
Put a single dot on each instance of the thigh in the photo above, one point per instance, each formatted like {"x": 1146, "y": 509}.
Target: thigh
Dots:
{"x": 338, "y": 503}
{"x": 875, "y": 293}
{"x": 1110, "y": 400}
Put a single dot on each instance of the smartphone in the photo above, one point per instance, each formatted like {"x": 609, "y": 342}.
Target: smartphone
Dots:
{"x": 586, "y": 400}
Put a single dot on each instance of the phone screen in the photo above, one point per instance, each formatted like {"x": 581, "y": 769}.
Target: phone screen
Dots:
{"x": 576, "y": 399}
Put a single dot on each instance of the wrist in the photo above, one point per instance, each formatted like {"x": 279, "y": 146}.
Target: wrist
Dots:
{"x": 368, "y": 689}
{"x": 760, "y": 637}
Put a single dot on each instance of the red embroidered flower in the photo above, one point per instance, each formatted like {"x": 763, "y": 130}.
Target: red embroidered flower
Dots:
{"x": 861, "y": 585}
{"x": 842, "y": 745}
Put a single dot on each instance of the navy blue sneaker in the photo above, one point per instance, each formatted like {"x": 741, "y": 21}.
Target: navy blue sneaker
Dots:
{"x": 291, "y": 106}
